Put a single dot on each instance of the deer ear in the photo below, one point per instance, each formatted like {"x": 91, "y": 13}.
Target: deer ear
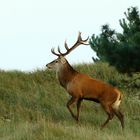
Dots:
{"x": 63, "y": 60}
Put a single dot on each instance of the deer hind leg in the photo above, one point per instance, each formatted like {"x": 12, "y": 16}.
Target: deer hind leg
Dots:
{"x": 70, "y": 102}
{"x": 118, "y": 113}
{"x": 120, "y": 116}
{"x": 108, "y": 109}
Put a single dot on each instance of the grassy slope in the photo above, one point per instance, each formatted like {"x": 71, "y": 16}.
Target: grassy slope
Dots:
{"x": 33, "y": 107}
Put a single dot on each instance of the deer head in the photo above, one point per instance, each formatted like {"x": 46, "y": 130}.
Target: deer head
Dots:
{"x": 61, "y": 60}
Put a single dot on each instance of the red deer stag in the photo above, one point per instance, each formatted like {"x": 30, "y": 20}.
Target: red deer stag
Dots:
{"x": 83, "y": 87}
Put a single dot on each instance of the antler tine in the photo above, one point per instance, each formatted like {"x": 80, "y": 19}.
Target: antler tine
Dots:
{"x": 59, "y": 50}
{"x": 52, "y": 50}
{"x": 82, "y": 41}
{"x": 66, "y": 45}
{"x": 85, "y": 41}
{"x": 79, "y": 36}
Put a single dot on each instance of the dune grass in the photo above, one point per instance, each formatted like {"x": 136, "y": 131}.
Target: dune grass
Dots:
{"x": 33, "y": 107}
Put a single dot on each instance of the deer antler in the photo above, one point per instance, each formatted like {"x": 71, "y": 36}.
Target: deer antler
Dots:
{"x": 78, "y": 42}
{"x": 52, "y": 50}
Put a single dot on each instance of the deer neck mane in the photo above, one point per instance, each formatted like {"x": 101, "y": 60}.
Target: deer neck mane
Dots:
{"x": 65, "y": 74}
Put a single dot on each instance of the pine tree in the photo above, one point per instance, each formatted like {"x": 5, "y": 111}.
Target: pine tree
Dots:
{"x": 121, "y": 50}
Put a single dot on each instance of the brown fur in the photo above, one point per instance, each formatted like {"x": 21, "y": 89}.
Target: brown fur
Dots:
{"x": 83, "y": 87}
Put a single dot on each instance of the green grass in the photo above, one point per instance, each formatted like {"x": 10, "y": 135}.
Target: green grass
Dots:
{"x": 33, "y": 107}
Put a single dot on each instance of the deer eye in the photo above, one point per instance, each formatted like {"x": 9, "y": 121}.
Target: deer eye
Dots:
{"x": 56, "y": 61}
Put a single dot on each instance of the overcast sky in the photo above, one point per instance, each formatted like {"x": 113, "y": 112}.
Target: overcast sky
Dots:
{"x": 30, "y": 28}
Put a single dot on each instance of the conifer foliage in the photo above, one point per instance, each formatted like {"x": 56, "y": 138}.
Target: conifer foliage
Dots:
{"x": 121, "y": 50}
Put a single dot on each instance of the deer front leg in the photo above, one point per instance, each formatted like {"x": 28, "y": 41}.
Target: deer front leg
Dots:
{"x": 78, "y": 108}
{"x": 70, "y": 102}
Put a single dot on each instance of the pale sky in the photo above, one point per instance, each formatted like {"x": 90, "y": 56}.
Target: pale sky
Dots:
{"x": 30, "y": 28}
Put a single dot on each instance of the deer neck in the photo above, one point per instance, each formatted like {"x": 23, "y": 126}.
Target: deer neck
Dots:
{"x": 65, "y": 74}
